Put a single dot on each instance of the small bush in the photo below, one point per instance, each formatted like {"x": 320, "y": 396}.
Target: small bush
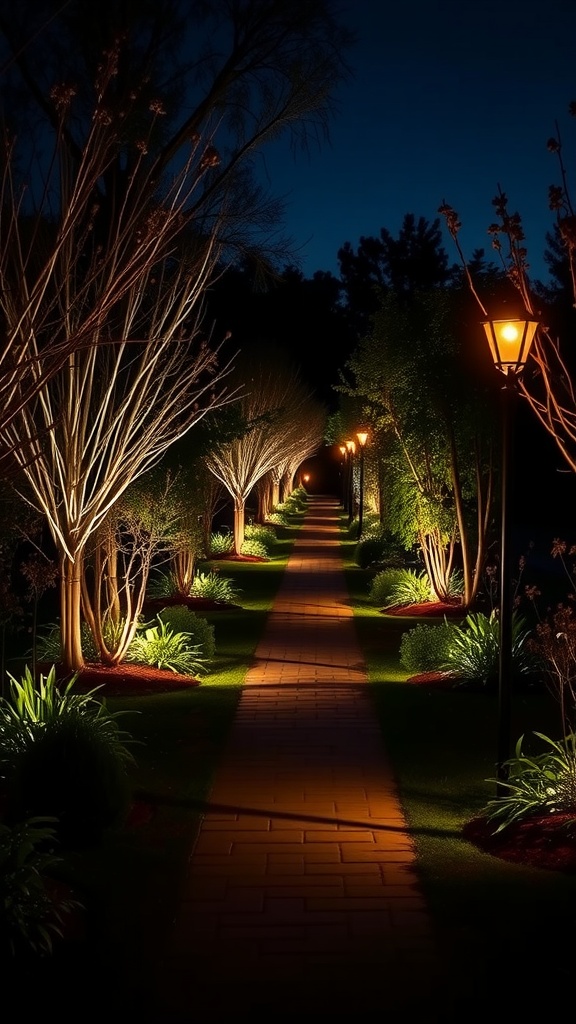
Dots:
{"x": 262, "y": 534}
{"x": 277, "y": 518}
{"x": 425, "y": 648}
{"x": 369, "y": 550}
{"x": 537, "y": 784}
{"x": 255, "y": 548}
{"x": 392, "y": 587}
{"x": 160, "y": 646}
{"x": 63, "y": 756}
{"x": 214, "y": 587}
{"x": 221, "y": 543}
{"x": 181, "y": 619}
{"x": 475, "y": 649}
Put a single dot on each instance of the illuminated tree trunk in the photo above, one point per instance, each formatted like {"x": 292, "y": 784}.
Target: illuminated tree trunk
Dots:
{"x": 70, "y": 612}
{"x": 239, "y": 524}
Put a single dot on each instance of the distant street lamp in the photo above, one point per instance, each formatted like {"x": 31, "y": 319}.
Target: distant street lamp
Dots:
{"x": 306, "y": 479}
{"x": 351, "y": 447}
{"x": 362, "y": 436}
{"x": 509, "y": 342}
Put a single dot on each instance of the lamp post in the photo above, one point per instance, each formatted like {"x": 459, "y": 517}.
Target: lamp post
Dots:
{"x": 351, "y": 447}
{"x": 362, "y": 436}
{"x": 344, "y": 453}
{"x": 509, "y": 342}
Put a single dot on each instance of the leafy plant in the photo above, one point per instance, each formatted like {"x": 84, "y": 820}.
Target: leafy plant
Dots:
{"x": 255, "y": 548}
{"x": 474, "y": 648}
{"x": 63, "y": 755}
{"x": 400, "y": 587}
{"x": 425, "y": 648}
{"x": 540, "y": 784}
{"x": 278, "y": 518}
{"x": 31, "y": 914}
{"x": 220, "y": 544}
{"x": 182, "y": 619}
{"x": 160, "y": 646}
{"x": 214, "y": 587}
{"x": 264, "y": 535}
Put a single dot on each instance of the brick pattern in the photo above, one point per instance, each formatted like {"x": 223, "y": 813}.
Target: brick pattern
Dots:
{"x": 302, "y": 891}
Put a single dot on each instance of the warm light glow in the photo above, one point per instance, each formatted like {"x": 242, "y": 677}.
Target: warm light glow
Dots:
{"x": 306, "y": 477}
{"x": 510, "y": 342}
{"x": 351, "y": 447}
{"x": 362, "y": 436}
{"x": 343, "y": 449}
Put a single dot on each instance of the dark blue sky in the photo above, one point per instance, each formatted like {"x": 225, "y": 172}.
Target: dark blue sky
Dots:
{"x": 448, "y": 100}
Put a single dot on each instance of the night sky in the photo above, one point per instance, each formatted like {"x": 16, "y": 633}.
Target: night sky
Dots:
{"x": 448, "y": 99}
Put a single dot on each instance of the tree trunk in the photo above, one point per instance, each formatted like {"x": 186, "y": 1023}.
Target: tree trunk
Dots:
{"x": 70, "y": 617}
{"x": 239, "y": 521}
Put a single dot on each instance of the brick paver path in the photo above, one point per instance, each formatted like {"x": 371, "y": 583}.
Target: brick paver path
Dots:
{"x": 302, "y": 899}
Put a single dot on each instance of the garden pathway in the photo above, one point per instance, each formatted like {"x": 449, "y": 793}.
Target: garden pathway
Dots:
{"x": 302, "y": 898}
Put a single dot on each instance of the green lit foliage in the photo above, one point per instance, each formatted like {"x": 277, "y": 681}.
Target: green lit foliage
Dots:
{"x": 475, "y": 645}
{"x": 162, "y": 647}
{"x": 63, "y": 755}
{"x": 221, "y": 543}
{"x": 255, "y": 549}
{"x": 262, "y": 533}
{"x": 181, "y": 619}
{"x": 426, "y": 647}
{"x": 539, "y": 783}
{"x": 436, "y": 432}
{"x": 393, "y": 586}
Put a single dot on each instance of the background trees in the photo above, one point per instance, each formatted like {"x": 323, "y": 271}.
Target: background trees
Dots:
{"x": 275, "y": 427}
{"x": 437, "y": 434}
{"x": 127, "y": 189}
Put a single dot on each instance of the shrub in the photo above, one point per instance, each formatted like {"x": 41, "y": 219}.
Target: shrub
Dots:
{"x": 31, "y": 916}
{"x": 221, "y": 543}
{"x": 255, "y": 548}
{"x": 214, "y": 587}
{"x": 400, "y": 587}
{"x": 425, "y": 648}
{"x": 160, "y": 646}
{"x": 541, "y": 784}
{"x": 264, "y": 535}
{"x": 475, "y": 646}
{"x": 182, "y": 619}
{"x": 277, "y": 518}
{"x": 63, "y": 756}
{"x": 369, "y": 550}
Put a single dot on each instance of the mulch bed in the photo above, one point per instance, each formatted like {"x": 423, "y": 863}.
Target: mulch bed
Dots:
{"x": 128, "y": 680}
{"x": 427, "y": 609}
{"x": 542, "y": 841}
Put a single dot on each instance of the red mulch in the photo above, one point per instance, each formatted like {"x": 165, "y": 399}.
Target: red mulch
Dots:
{"x": 543, "y": 841}
{"x": 131, "y": 680}
{"x": 427, "y": 609}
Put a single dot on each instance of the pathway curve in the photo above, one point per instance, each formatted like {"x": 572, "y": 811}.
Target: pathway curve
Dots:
{"x": 302, "y": 897}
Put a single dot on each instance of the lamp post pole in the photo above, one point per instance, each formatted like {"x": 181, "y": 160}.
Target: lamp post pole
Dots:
{"x": 508, "y": 397}
{"x": 509, "y": 342}
{"x": 344, "y": 477}
{"x": 362, "y": 436}
{"x": 351, "y": 447}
